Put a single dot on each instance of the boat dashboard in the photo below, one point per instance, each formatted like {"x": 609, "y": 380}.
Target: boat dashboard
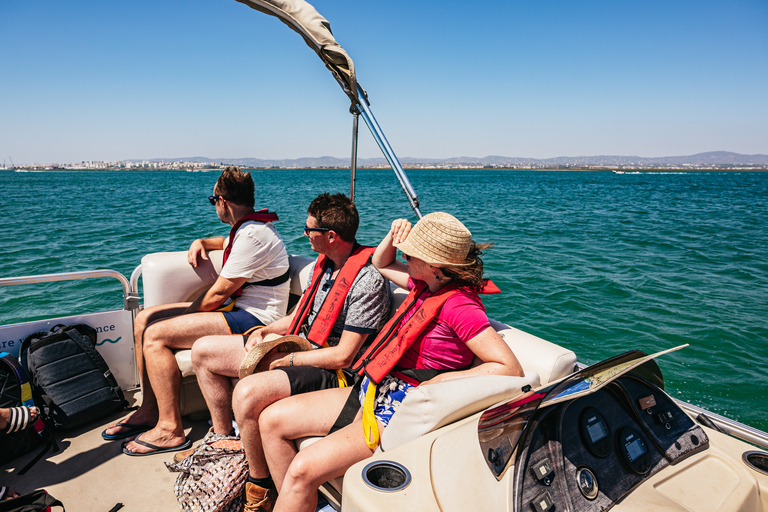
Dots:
{"x": 588, "y": 453}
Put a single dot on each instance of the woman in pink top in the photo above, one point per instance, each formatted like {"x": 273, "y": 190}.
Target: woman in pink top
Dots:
{"x": 438, "y": 250}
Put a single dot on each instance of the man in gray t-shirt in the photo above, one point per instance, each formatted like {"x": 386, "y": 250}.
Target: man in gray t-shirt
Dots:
{"x": 365, "y": 308}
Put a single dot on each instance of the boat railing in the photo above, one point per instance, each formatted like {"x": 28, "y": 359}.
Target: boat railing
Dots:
{"x": 134, "y": 287}
{"x": 725, "y": 425}
{"x": 130, "y": 294}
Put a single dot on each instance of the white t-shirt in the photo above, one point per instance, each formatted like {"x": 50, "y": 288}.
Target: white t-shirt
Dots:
{"x": 258, "y": 253}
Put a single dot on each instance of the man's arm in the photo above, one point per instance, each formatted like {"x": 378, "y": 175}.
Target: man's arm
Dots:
{"x": 330, "y": 358}
{"x": 199, "y": 249}
{"x": 277, "y": 327}
{"x": 216, "y": 295}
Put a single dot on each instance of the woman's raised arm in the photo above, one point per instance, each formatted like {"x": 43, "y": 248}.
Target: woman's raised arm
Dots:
{"x": 384, "y": 259}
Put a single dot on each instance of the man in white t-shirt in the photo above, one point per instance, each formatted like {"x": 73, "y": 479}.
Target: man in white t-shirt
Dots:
{"x": 254, "y": 274}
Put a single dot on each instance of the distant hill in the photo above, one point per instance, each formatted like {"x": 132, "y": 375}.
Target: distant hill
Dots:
{"x": 713, "y": 158}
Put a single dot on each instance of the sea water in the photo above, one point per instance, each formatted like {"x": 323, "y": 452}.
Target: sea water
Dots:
{"x": 598, "y": 262}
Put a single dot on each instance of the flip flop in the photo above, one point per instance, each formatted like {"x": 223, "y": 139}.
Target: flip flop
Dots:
{"x": 130, "y": 430}
{"x": 155, "y": 449}
{"x": 19, "y": 418}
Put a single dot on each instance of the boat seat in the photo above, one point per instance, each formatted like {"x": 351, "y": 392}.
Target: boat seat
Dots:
{"x": 428, "y": 408}
{"x": 167, "y": 278}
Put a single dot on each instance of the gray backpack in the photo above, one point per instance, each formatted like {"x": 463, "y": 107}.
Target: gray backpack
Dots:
{"x": 70, "y": 380}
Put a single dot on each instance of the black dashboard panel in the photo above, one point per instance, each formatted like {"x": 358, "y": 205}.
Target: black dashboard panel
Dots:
{"x": 587, "y": 454}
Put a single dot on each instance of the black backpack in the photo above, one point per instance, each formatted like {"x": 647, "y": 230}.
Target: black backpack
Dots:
{"x": 71, "y": 382}
{"x": 15, "y": 391}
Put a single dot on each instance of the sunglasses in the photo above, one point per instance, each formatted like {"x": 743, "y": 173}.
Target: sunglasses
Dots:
{"x": 213, "y": 199}
{"x": 308, "y": 230}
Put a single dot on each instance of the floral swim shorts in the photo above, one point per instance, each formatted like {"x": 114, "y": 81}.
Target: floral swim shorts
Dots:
{"x": 389, "y": 395}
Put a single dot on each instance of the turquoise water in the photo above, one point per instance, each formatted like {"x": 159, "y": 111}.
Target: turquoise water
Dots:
{"x": 597, "y": 262}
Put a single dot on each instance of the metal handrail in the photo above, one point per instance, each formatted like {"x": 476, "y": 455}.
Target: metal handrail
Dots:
{"x": 73, "y": 276}
{"x": 726, "y": 425}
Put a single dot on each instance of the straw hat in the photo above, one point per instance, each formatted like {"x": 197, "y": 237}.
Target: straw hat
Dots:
{"x": 438, "y": 239}
{"x": 272, "y": 342}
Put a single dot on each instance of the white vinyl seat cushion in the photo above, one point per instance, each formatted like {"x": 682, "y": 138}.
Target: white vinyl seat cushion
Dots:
{"x": 430, "y": 407}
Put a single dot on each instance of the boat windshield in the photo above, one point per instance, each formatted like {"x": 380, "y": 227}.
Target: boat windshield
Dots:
{"x": 501, "y": 427}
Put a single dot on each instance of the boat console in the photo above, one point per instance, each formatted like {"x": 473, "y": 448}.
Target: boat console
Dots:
{"x": 588, "y": 453}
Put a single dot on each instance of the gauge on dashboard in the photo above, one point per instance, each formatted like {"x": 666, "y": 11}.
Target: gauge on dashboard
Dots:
{"x": 587, "y": 482}
{"x": 634, "y": 450}
{"x": 595, "y": 432}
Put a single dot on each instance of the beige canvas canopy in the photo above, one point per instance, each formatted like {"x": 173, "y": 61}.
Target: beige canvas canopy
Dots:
{"x": 316, "y": 31}
{"x": 304, "y": 19}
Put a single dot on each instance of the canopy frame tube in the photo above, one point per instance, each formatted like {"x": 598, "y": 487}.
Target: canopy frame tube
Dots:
{"x": 353, "y": 164}
{"x": 364, "y": 110}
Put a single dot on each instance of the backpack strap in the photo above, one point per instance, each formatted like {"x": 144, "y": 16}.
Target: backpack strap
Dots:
{"x": 35, "y": 500}
{"x": 78, "y": 337}
{"x": 28, "y": 341}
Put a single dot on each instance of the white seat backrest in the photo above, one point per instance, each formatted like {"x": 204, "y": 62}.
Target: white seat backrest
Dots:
{"x": 551, "y": 362}
{"x": 167, "y": 276}
{"x": 431, "y": 406}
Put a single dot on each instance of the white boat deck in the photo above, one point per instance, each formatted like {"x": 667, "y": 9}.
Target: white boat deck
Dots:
{"x": 90, "y": 474}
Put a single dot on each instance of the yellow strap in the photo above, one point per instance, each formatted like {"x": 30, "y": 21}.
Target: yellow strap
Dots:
{"x": 227, "y": 308}
{"x": 342, "y": 378}
{"x": 370, "y": 427}
{"x": 252, "y": 330}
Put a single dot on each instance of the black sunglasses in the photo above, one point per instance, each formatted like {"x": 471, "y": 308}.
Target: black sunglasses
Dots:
{"x": 213, "y": 199}
{"x": 308, "y": 230}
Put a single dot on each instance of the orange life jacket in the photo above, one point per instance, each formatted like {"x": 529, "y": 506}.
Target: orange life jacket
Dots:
{"x": 334, "y": 302}
{"x": 394, "y": 339}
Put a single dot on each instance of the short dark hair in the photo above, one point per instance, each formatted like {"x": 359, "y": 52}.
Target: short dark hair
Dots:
{"x": 236, "y": 186}
{"x": 336, "y": 212}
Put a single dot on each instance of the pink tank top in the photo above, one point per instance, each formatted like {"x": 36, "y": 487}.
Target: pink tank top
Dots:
{"x": 442, "y": 345}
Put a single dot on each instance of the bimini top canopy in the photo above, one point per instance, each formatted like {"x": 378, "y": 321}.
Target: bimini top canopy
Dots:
{"x": 316, "y": 31}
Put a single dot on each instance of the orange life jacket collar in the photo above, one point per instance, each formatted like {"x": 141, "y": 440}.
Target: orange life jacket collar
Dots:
{"x": 331, "y": 308}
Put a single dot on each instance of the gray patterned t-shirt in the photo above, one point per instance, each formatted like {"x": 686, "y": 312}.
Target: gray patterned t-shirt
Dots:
{"x": 366, "y": 307}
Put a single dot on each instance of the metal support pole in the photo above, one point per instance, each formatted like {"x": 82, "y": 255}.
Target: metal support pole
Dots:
{"x": 378, "y": 135}
{"x": 355, "y": 119}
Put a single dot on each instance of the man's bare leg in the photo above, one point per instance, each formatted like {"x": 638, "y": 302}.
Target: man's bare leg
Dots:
{"x": 161, "y": 338}
{"x": 252, "y": 395}
{"x": 216, "y": 360}
{"x": 147, "y": 412}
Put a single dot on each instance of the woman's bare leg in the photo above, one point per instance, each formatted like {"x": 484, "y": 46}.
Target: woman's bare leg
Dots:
{"x": 297, "y": 476}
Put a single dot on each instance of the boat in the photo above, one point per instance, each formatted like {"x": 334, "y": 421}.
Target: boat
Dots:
{"x": 566, "y": 436}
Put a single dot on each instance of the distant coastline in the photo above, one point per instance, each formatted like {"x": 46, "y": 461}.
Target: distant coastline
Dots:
{"x": 716, "y": 160}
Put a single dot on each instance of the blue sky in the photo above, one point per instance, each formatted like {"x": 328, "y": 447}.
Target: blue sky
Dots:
{"x": 97, "y": 80}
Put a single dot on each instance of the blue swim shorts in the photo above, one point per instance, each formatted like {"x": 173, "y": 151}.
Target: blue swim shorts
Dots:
{"x": 240, "y": 320}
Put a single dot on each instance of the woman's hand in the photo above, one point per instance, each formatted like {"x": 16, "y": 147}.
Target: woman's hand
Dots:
{"x": 399, "y": 231}
{"x": 384, "y": 257}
